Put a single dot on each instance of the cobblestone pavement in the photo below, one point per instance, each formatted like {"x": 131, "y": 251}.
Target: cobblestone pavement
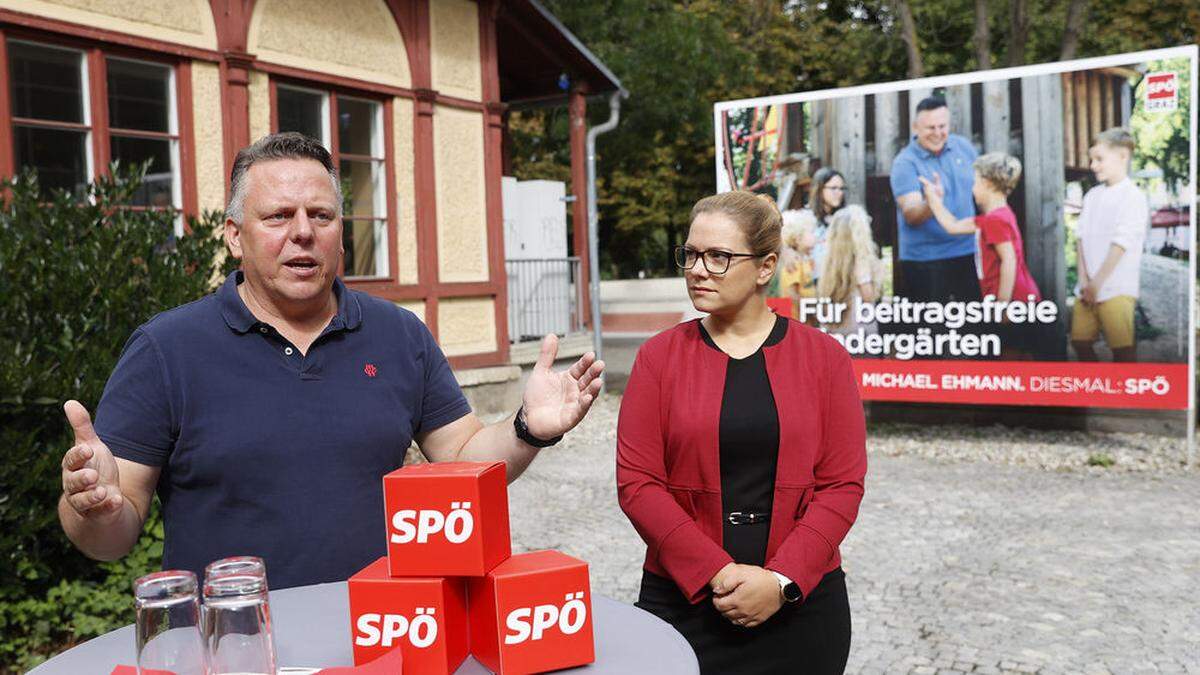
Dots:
{"x": 956, "y": 564}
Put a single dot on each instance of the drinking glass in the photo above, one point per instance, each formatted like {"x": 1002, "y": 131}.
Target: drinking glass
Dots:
{"x": 244, "y": 564}
{"x": 168, "y": 624}
{"x": 237, "y": 618}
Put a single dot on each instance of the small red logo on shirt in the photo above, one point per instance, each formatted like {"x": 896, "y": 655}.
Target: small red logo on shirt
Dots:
{"x": 370, "y": 370}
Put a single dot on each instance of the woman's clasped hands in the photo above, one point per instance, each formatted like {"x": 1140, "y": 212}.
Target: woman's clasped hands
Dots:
{"x": 746, "y": 595}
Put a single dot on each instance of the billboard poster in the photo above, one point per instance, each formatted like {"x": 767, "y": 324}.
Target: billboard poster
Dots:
{"x": 1022, "y": 236}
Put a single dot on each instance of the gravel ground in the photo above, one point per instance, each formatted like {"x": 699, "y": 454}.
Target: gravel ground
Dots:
{"x": 981, "y": 550}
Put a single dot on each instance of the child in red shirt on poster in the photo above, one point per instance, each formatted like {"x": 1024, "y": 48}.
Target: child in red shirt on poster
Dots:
{"x": 1000, "y": 256}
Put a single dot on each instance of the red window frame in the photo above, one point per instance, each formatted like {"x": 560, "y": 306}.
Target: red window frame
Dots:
{"x": 95, "y": 55}
{"x": 332, "y": 92}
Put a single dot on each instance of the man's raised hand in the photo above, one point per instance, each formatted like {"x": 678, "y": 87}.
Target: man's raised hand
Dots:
{"x": 556, "y": 401}
{"x": 91, "y": 483}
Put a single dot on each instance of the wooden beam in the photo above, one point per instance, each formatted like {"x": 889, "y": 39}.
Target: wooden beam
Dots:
{"x": 1083, "y": 136}
{"x": 996, "y": 116}
{"x": 1095, "y": 121}
{"x": 1068, "y": 95}
{"x": 888, "y": 134}
{"x": 577, "y": 113}
{"x": 958, "y": 98}
{"x": 816, "y": 141}
{"x": 914, "y": 97}
{"x": 850, "y": 147}
{"x": 1044, "y": 183}
{"x": 1106, "y": 107}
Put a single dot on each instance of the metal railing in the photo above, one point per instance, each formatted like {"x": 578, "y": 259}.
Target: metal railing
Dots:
{"x": 545, "y": 295}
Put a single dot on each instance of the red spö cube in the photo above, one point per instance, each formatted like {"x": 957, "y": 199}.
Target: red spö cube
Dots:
{"x": 425, "y": 618}
{"x": 532, "y": 613}
{"x": 447, "y": 519}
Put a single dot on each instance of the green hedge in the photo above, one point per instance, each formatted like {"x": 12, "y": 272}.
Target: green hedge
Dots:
{"x": 78, "y": 277}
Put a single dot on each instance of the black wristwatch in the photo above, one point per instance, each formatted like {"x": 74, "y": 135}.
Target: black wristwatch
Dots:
{"x": 523, "y": 432}
{"x": 788, "y": 588}
{"x": 791, "y": 592}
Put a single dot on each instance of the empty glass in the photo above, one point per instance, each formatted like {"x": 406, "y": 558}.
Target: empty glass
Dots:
{"x": 168, "y": 623}
{"x": 243, "y": 564}
{"x": 237, "y": 618}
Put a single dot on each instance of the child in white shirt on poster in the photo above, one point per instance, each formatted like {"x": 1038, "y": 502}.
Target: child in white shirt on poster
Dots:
{"x": 1111, "y": 230}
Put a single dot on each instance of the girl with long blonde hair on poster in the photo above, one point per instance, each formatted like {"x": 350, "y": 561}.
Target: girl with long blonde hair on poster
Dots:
{"x": 851, "y": 268}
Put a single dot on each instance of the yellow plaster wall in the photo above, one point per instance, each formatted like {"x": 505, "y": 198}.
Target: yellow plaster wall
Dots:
{"x": 260, "y": 105}
{"x": 406, "y": 234}
{"x": 351, "y": 38}
{"x": 467, "y": 325}
{"x": 186, "y": 22}
{"x": 461, "y": 198}
{"x": 415, "y": 306}
{"x": 454, "y": 48}
{"x": 206, "y": 120}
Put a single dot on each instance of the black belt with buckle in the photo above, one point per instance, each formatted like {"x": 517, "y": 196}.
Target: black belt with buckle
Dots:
{"x": 746, "y": 518}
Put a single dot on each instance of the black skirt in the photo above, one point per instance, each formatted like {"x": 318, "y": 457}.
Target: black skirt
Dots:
{"x": 809, "y": 638}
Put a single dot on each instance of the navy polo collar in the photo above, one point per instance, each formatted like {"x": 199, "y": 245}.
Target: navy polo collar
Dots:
{"x": 241, "y": 320}
{"x": 924, "y": 152}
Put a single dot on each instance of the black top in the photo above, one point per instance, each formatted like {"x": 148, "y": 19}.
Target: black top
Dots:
{"x": 749, "y": 447}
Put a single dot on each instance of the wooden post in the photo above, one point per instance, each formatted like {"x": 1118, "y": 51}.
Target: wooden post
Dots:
{"x": 1068, "y": 95}
{"x": 1095, "y": 121}
{"x": 1044, "y": 183}
{"x": 816, "y": 142}
{"x": 850, "y": 146}
{"x": 1126, "y": 102}
{"x": 914, "y": 97}
{"x": 1106, "y": 107}
{"x": 958, "y": 98}
{"x": 888, "y": 133}
{"x": 577, "y": 111}
{"x": 1083, "y": 136}
{"x": 996, "y": 123}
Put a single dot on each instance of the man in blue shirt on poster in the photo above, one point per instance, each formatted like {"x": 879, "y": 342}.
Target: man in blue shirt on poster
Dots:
{"x": 935, "y": 265}
{"x": 266, "y": 414}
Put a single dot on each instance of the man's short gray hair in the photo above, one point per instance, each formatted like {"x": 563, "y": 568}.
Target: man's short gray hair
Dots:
{"x": 285, "y": 145}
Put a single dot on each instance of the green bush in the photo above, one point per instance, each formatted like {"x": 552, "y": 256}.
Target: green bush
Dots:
{"x": 78, "y": 278}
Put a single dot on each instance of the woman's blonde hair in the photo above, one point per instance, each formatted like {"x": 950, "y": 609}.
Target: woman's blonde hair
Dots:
{"x": 849, "y": 247}
{"x": 1002, "y": 170}
{"x": 756, "y": 215}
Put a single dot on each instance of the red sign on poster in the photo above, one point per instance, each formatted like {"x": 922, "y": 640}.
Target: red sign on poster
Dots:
{"x": 1162, "y": 91}
{"x": 1099, "y": 385}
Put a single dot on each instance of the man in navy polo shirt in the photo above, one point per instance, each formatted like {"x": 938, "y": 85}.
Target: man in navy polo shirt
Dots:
{"x": 265, "y": 414}
{"x": 936, "y": 265}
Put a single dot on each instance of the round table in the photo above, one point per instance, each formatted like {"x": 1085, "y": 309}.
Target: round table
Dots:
{"x": 312, "y": 628}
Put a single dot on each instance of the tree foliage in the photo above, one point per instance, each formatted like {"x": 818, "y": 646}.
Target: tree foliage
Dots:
{"x": 78, "y": 277}
{"x": 677, "y": 57}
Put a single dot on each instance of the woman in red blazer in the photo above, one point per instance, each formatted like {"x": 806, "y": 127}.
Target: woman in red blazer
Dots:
{"x": 741, "y": 452}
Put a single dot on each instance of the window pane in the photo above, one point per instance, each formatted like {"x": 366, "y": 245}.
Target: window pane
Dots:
{"x": 356, "y": 128}
{"x": 139, "y": 96}
{"x": 365, "y": 248}
{"x": 302, "y": 111}
{"x": 362, "y": 188}
{"x": 59, "y": 156}
{"x": 46, "y": 83}
{"x": 157, "y": 187}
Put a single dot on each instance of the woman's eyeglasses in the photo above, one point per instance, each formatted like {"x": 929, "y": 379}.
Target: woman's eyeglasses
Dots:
{"x": 715, "y": 261}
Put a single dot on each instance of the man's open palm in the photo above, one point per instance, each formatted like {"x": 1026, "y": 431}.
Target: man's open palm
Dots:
{"x": 556, "y": 401}
{"x": 90, "y": 478}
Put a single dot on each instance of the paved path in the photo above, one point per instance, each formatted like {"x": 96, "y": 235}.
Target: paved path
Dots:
{"x": 953, "y": 566}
